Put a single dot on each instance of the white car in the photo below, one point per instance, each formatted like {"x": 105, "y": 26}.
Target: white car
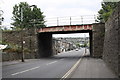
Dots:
{"x": 76, "y": 49}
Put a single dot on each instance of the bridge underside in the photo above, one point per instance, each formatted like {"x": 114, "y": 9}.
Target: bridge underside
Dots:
{"x": 45, "y": 41}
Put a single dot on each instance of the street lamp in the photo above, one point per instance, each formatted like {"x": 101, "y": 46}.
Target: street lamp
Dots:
{"x": 1, "y": 18}
{"x": 23, "y": 42}
{"x": 22, "y": 11}
{"x": 1, "y": 12}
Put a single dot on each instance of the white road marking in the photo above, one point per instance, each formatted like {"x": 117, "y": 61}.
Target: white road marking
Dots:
{"x": 52, "y": 62}
{"x": 61, "y": 59}
{"x": 72, "y": 69}
{"x": 25, "y": 70}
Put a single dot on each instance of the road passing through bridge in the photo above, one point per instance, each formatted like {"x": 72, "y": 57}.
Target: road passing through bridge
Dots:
{"x": 53, "y": 67}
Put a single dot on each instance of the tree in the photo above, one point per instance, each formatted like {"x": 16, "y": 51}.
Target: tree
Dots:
{"x": 77, "y": 45}
{"x": 25, "y": 16}
{"x": 106, "y": 11}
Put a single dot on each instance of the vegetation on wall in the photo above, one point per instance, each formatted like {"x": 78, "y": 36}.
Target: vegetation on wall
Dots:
{"x": 14, "y": 48}
{"x": 106, "y": 11}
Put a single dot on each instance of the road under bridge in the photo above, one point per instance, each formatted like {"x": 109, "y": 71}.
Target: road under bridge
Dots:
{"x": 96, "y": 33}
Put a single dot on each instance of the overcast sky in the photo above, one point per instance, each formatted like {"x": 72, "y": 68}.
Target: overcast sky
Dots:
{"x": 54, "y": 8}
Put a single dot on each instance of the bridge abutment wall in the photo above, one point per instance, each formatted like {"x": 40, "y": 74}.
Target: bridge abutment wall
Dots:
{"x": 45, "y": 44}
{"x": 111, "y": 52}
{"x": 97, "y": 40}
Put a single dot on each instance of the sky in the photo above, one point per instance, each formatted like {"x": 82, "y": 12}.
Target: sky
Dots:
{"x": 53, "y": 8}
{"x": 73, "y": 35}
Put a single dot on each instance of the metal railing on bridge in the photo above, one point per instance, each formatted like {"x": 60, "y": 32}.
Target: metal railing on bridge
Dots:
{"x": 71, "y": 20}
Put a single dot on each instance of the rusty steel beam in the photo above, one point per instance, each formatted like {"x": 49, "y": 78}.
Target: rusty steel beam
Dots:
{"x": 66, "y": 28}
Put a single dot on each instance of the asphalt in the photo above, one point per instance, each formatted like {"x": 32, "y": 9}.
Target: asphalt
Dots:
{"x": 54, "y": 67}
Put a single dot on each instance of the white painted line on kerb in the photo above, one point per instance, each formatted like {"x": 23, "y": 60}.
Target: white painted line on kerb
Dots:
{"x": 25, "y": 70}
{"x": 60, "y": 53}
{"x": 72, "y": 69}
{"x": 51, "y": 62}
{"x": 61, "y": 59}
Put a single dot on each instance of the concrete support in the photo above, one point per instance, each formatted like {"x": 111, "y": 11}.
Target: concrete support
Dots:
{"x": 45, "y": 44}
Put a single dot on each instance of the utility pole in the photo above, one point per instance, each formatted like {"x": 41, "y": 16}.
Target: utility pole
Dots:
{"x": 1, "y": 18}
{"x": 23, "y": 42}
{"x": 22, "y": 48}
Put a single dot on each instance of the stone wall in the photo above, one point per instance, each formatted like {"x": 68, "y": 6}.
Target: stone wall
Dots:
{"x": 14, "y": 38}
{"x": 111, "y": 53}
{"x": 98, "y": 39}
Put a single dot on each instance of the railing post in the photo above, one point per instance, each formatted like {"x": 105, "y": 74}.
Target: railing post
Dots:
{"x": 95, "y": 18}
{"x": 57, "y": 21}
{"x": 70, "y": 20}
{"x": 82, "y": 20}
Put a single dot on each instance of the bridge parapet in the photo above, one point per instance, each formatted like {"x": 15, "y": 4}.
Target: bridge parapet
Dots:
{"x": 71, "y": 20}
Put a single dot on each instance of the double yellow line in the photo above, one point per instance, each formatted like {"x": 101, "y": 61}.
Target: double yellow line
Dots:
{"x": 72, "y": 69}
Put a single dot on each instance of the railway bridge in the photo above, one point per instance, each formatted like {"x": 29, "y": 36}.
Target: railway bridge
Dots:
{"x": 96, "y": 33}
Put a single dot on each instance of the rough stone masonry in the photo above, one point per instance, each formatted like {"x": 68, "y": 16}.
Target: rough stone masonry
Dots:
{"x": 111, "y": 52}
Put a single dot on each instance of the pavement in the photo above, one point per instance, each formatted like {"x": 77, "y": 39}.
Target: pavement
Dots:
{"x": 93, "y": 68}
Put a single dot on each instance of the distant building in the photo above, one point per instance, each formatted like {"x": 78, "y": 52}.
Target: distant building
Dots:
{"x": 67, "y": 44}
{"x": 74, "y": 41}
{"x": 62, "y": 45}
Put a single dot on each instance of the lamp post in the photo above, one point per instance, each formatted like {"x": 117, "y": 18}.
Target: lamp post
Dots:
{"x": 23, "y": 42}
{"x": 1, "y": 18}
{"x": 22, "y": 58}
{"x": 1, "y": 12}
